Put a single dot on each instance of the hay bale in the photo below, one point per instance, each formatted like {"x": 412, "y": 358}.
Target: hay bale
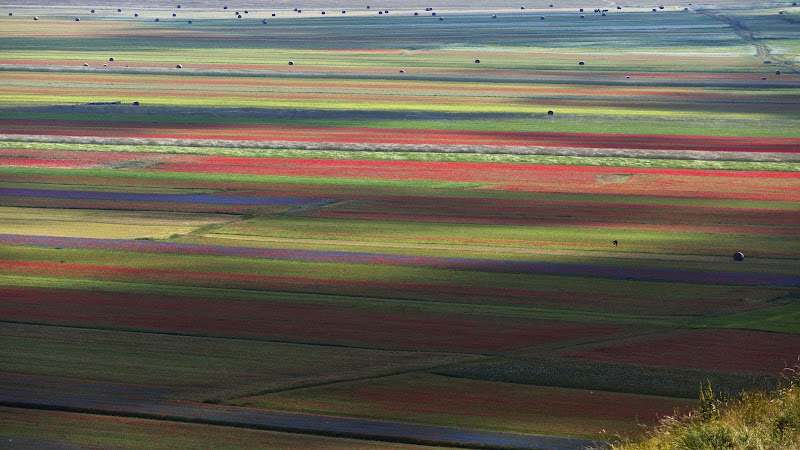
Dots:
{"x": 111, "y": 59}
{"x": 583, "y": 17}
{"x": 494, "y": 16}
{"x": 541, "y": 18}
{"x": 777, "y": 72}
{"x": 85, "y": 64}
{"x": 77, "y": 19}
{"x": 179, "y": 66}
{"x": 477, "y": 61}
{"x": 189, "y": 22}
{"x": 291, "y": 63}
{"x": 156, "y": 19}
{"x": 402, "y": 71}
{"x": 92, "y": 12}
{"x": 135, "y": 103}
{"x": 550, "y": 113}
{"x": 581, "y": 10}
{"x": 580, "y": 63}
{"x": 174, "y": 15}
{"x": 35, "y": 18}
{"x": 136, "y": 15}
{"x": 416, "y": 13}
{"x": 738, "y": 256}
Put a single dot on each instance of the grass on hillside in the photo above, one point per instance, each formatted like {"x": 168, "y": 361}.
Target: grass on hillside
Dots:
{"x": 753, "y": 420}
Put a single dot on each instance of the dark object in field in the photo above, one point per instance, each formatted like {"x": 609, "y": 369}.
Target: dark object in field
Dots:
{"x": 402, "y": 71}
{"x": 777, "y": 72}
{"x": 239, "y": 16}
{"x": 323, "y": 13}
{"x": 550, "y": 113}
{"x": 581, "y": 10}
{"x": 35, "y": 18}
{"x": 246, "y": 11}
{"x": 604, "y": 14}
{"x": 763, "y": 78}
{"x": 615, "y": 243}
{"x": 156, "y": 20}
{"x": 264, "y": 21}
{"x": 433, "y": 14}
{"x": 661, "y": 7}
{"x": 580, "y": 63}
{"x": 583, "y": 17}
{"x": 627, "y": 77}
{"x": 494, "y": 16}
{"x": 273, "y": 14}
{"x": 105, "y": 65}
{"x": 174, "y": 15}
{"x": 521, "y": 7}
{"x": 299, "y": 10}
{"x": 541, "y": 18}
{"x": 77, "y": 19}
{"x": 386, "y": 12}
{"x": 85, "y": 64}
{"x": 104, "y": 103}
{"x": 237, "y": 13}
{"x": 781, "y": 12}
{"x": 179, "y": 66}
{"x": 189, "y": 21}
{"x": 119, "y": 10}
{"x": 291, "y": 63}
{"x": 767, "y": 62}
{"x": 380, "y": 12}
{"x": 225, "y": 7}
{"x": 135, "y": 103}
{"x": 619, "y": 7}
{"x": 441, "y": 18}
{"x": 655, "y": 10}
{"x": 738, "y": 256}
{"x": 344, "y": 12}
{"x": 179, "y": 6}
{"x": 551, "y": 6}
{"x": 367, "y": 6}
{"x": 477, "y": 61}
{"x": 92, "y": 12}
{"x": 111, "y": 59}
{"x": 416, "y": 13}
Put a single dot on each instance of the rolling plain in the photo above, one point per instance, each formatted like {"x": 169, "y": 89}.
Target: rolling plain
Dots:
{"x": 481, "y": 225}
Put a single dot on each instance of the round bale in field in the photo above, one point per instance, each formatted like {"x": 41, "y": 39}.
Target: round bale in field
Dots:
{"x": 291, "y": 63}
{"x": 273, "y": 14}
{"x": 763, "y": 78}
{"x": 156, "y": 19}
{"x": 85, "y": 64}
{"x": 189, "y": 22}
{"x": 92, "y": 11}
{"x": 135, "y": 103}
{"x": 119, "y": 10}
{"x": 550, "y": 113}
{"x": 402, "y": 71}
{"x": 77, "y": 19}
{"x": 35, "y": 18}
{"x": 738, "y": 256}
{"x": 583, "y": 17}
{"x": 494, "y": 16}
{"x": 264, "y": 21}
{"x": 105, "y": 65}
{"x": 541, "y": 18}
{"x": 777, "y": 72}
{"x": 179, "y": 66}
{"x": 174, "y": 15}
{"x": 136, "y": 15}
{"x": 441, "y": 18}
{"x": 179, "y": 6}
{"x": 111, "y": 59}
{"x": 580, "y": 63}
{"x": 416, "y": 13}
{"x": 477, "y": 61}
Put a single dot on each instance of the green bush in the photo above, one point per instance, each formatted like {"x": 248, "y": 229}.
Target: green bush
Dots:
{"x": 758, "y": 419}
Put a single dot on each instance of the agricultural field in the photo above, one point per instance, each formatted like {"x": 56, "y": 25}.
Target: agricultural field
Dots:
{"x": 477, "y": 225}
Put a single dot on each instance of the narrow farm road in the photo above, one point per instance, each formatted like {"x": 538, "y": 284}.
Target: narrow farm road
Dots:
{"x": 96, "y": 398}
{"x": 747, "y": 34}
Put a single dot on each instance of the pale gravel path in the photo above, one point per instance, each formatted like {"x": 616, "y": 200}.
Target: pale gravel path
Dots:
{"x": 421, "y": 148}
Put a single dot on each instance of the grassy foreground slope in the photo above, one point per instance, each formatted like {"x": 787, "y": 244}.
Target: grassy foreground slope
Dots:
{"x": 388, "y": 228}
